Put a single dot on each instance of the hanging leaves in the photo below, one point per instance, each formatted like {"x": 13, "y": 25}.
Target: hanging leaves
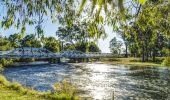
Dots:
{"x": 142, "y": 1}
{"x": 23, "y": 29}
{"x": 82, "y": 6}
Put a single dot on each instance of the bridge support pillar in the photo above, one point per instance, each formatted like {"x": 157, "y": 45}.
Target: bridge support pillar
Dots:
{"x": 80, "y": 59}
{"x": 76, "y": 60}
{"x": 56, "y": 60}
{"x": 97, "y": 59}
{"x": 87, "y": 59}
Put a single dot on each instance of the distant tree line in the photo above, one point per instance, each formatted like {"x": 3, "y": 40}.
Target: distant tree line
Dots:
{"x": 50, "y": 43}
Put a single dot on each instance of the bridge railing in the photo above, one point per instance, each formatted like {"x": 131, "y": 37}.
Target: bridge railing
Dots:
{"x": 28, "y": 53}
{"x": 4, "y": 52}
{"x": 43, "y": 53}
{"x": 96, "y": 54}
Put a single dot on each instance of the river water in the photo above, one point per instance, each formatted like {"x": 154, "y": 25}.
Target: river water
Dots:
{"x": 98, "y": 81}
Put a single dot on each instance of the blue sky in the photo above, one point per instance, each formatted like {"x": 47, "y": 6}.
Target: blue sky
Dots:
{"x": 51, "y": 28}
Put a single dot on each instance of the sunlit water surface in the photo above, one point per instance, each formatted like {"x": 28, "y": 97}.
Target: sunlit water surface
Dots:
{"x": 99, "y": 81}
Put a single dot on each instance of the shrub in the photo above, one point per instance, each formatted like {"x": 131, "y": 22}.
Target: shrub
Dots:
{"x": 166, "y": 62}
{"x": 1, "y": 68}
{"x": 62, "y": 97}
{"x": 3, "y": 81}
{"x": 65, "y": 87}
{"x": 15, "y": 86}
{"x": 48, "y": 95}
{"x": 6, "y": 62}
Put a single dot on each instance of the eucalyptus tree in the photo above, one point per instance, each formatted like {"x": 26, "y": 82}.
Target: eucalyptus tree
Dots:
{"x": 151, "y": 25}
{"x": 5, "y": 44}
{"x": 30, "y": 41}
{"x": 110, "y": 7}
{"x": 78, "y": 29}
{"x": 15, "y": 40}
{"x": 115, "y": 46}
{"x": 22, "y": 12}
{"x": 51, "y": 44}
{"x": 92, "y": 47}
{"x": 126, "y": 42}
{"x": 80, "y": 32}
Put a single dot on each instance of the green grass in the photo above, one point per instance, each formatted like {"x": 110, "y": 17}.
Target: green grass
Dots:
{"x": 166, "y": 62}
{"x": 10, "y": 94}
{"x": 15, "y": 91}
{"x": 132, "y": 61}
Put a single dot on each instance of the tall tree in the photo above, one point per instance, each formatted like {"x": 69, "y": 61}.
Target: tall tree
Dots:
{"x": 15, "y": 40}
{"x": 151, "y": 25}
{"x": 31, "y": 41}
{"x": 5, "y": 44}
{"x": 51, "y": 44}
{"x": 77, "y": 28}
{"x": 115, "y": 46}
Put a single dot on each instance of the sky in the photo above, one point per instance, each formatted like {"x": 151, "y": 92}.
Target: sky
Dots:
{"x": 51, "y": 28}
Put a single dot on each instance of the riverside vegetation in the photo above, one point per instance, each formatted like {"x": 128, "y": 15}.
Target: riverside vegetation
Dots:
{"x": 15, "y": 91}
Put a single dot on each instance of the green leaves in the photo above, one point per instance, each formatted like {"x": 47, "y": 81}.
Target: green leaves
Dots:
{"x": 83, "y": 2}
{"x": 149, "y": 30}
{"x": 23, "y": 29}
{"x": 94, "y": 2}
{"x": 51, "y": 44}
{"x": 115, "y": 46}
{"x": 27, "y": 10}
{"x": 120, "y": 5}
{"x": 142, "y": 1}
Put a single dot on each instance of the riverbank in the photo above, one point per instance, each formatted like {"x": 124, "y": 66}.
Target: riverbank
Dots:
{"x": 15, "y": 91}
{"x": 94, "y": 75}
{"x": 132, "y": 61}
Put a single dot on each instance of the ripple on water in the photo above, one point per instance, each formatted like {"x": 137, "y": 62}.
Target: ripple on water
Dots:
{"x": 99, "y": 81}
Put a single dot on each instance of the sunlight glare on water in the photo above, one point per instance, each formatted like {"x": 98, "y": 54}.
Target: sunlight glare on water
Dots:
{"x": 98, "y": 81}
{"x": 99, "y": 78}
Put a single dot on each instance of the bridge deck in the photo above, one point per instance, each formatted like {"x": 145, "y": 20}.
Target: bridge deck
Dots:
{"x": 44, "y": 53}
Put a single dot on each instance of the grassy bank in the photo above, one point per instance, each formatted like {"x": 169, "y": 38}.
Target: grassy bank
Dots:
{"x": 15, "y": 91}
{"x": 132, "y": 61}
{"x": 9, "y": 94}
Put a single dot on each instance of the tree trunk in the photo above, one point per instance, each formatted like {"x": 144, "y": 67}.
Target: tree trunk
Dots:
{"x": 143, "y": 54}
{"x": 146, "y": 54}
{"x": 126, "y": 55}
{"x": 143, "y": 57}
{"x": 134, "y": 55}
{"x": 153, "y": 55}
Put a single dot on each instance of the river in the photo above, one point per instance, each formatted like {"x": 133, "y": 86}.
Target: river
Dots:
{"x": 99, "y": 81}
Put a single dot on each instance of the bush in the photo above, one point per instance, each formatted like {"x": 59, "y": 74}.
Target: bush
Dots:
{"x": 48, "y": 95}
{"x": 1, "y": 68}
{"x": 3, "y": 81}
{"x": 62, "y": 97}
{"x": 15, "y": 86}
{"x": 6, "y": 62}
{"x": 166, "y": 62}
{"x": 65, "y": 87}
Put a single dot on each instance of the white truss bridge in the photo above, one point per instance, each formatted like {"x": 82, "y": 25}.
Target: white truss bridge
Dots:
{"x": 29, "y": 52}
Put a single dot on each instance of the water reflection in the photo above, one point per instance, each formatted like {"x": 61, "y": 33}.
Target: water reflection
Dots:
{"x": 99, "y": 81}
